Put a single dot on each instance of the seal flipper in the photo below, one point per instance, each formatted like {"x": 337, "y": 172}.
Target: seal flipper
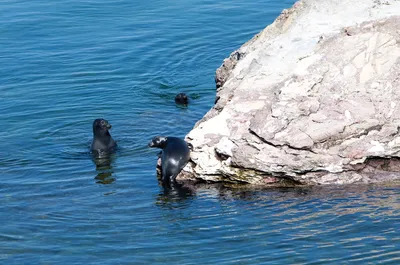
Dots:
{"x": 167, "y": 177}
{"x": 165, "y": 180}
{"x": 169, "y": 182}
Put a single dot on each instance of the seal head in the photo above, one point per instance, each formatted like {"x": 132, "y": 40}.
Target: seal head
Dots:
{"x": 181, "y": 99}
{"x": 158, "y": 141}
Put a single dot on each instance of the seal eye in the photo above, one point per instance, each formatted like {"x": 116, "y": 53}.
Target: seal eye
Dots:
{"x": 102, "y": 123}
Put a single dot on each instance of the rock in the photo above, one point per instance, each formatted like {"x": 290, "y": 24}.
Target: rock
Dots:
{"x": 312, "y": 99}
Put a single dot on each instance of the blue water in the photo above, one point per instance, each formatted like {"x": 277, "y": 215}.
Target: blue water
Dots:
{"x": 64, "y": 63}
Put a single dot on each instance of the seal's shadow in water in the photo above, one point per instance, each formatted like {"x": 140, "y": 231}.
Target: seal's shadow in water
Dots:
{"x": 104, "y": 168}
{"x": 175, "y": 195}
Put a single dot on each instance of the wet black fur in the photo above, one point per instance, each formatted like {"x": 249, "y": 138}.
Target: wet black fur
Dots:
{"x": 102, "y": 141}
{"x": 182, "y": 99}
{"x": 175, "y": 155}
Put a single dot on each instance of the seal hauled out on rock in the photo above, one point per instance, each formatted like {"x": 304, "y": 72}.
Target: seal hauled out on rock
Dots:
{"x": 174, "y": 156}
{"x": 103, "y": 143}
{"x": 182, "y": 99}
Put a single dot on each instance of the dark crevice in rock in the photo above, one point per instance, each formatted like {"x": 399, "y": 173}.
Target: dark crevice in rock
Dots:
{"x": 321, "y": 172}
{"x": 340, "y": 138}
{"x": 366, "y": 131}
{"x": 286, "y": 178}
{"x": 221, "y": 156}
{"x": 375, "y": 164}
{"x": 309, "y": 136}
{"x": 397, "y": 132}
{"x": 280, "y": 145}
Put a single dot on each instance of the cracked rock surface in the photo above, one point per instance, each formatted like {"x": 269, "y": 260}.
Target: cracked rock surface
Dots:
{"x": 312, "y": 99}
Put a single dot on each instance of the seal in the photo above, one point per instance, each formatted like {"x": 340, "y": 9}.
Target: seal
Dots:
{"x": 174, "y": 156}
{"x": 181, "y": 99}
{"x": 102, "y": 143}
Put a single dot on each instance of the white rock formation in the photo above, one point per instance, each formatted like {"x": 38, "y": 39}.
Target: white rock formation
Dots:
{"x": 314, "y": 98}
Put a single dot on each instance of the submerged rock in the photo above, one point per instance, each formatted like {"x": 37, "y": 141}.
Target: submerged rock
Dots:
{"x": 312, "y": 99}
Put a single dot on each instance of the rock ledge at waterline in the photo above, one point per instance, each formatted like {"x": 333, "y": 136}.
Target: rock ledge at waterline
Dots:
{"x": 314, "y": 99}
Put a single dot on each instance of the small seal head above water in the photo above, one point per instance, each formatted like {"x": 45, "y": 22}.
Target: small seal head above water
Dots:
{"x": 182, "y": 99}
{"x": 102, "y": 143}
{"x": 174, "y": 156}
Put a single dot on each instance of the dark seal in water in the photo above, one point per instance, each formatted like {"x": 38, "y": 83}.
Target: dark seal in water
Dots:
{"x": 174, "y": 156}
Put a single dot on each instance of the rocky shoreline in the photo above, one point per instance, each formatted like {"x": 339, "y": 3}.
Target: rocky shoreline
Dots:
{"x": 312, "y": 99}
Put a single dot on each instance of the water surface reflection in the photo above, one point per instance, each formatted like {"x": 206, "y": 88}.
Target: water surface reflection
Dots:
{"x": 104, "y": 168}
{"x": 302, "y": 225}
